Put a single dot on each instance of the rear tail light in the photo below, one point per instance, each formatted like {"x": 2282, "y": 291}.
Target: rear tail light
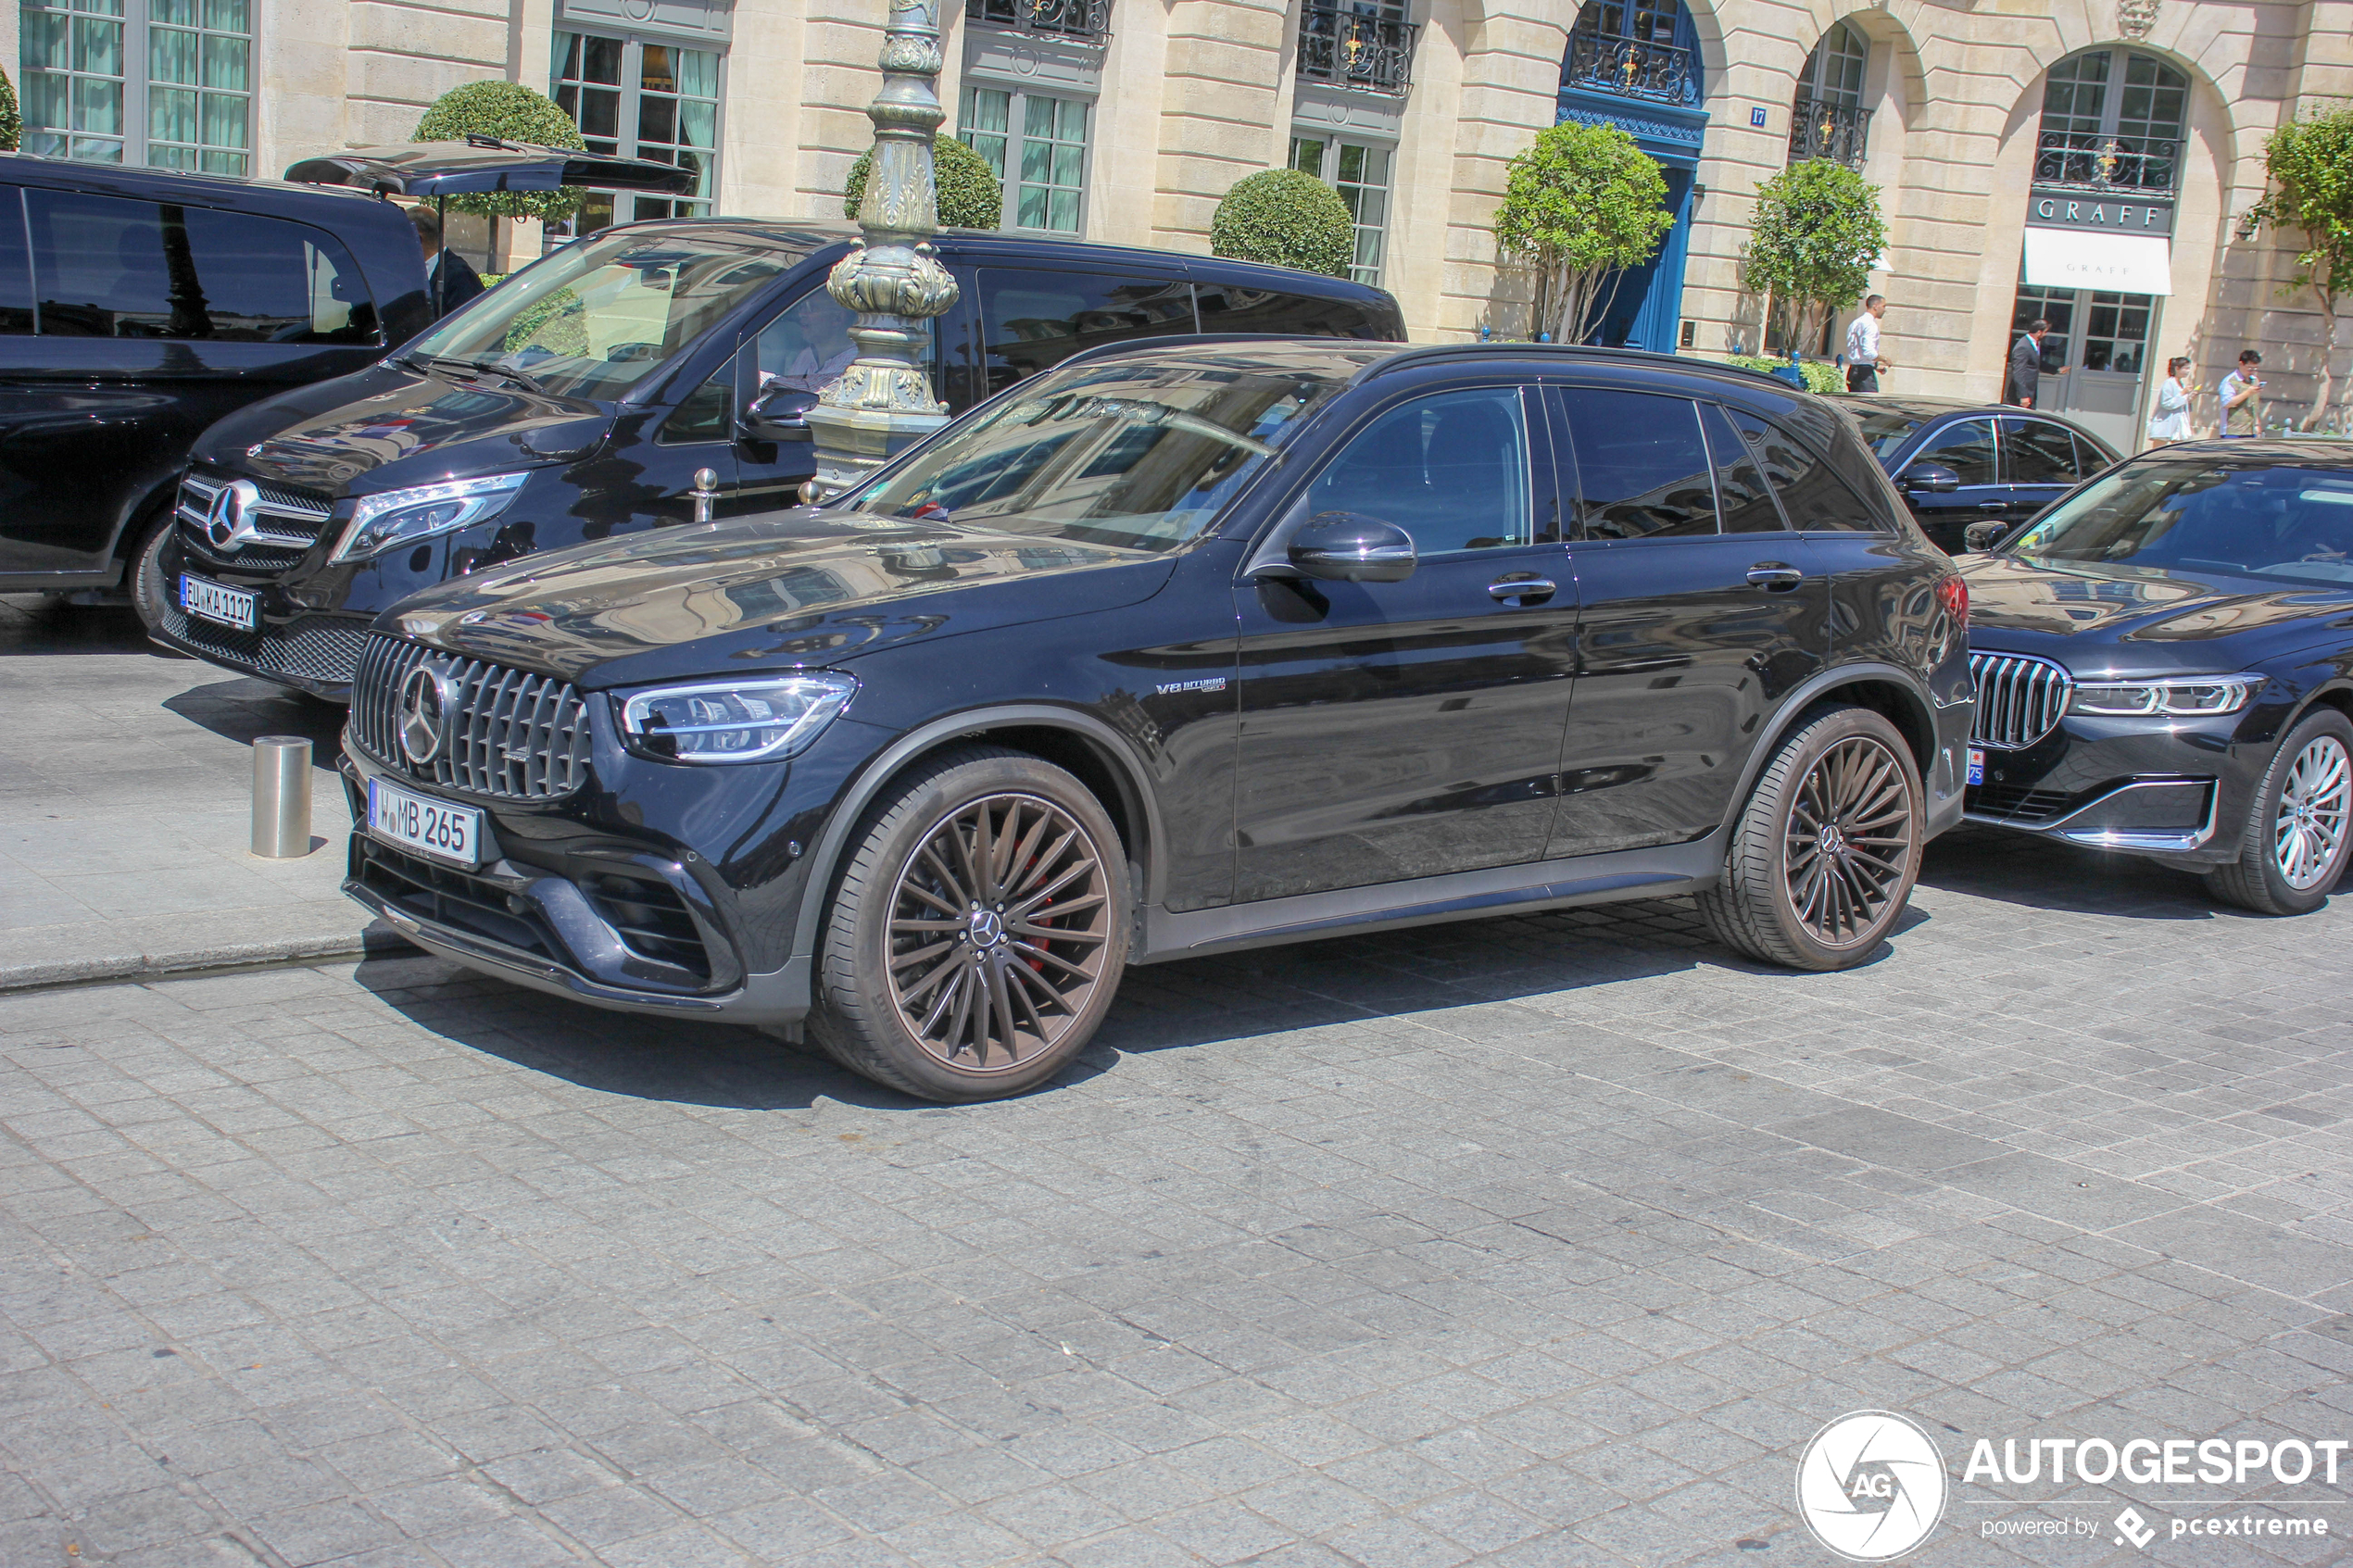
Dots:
{"x": 1952, "y": 594}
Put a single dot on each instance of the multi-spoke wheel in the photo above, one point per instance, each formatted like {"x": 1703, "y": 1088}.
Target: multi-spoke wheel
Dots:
{"x": 2293, "y": 845}
{"x": 979, "y": 930}
{"x": 1823, "y": 860}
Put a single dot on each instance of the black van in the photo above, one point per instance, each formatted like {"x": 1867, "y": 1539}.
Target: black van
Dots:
{"x": 579, "y": 398}
{"x": 138, "y": 306}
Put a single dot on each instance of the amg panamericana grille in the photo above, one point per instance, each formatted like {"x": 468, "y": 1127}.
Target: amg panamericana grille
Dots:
{"x": 510, "y": 734}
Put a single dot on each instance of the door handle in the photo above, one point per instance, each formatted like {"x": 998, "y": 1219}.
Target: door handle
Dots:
{"x": 1993, "y": 505}
{"x": 1775, "y": 578}
{"x": 1520, "y": 588}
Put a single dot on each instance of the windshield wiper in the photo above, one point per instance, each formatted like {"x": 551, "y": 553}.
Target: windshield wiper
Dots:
{"x": 492, "y": 367}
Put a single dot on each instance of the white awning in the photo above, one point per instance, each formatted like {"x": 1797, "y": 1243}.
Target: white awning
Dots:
{"x": 2079, "y": 258}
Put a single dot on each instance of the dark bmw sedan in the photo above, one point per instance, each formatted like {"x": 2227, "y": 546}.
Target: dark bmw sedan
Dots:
{"x": 1171, "y": 650}
{"x": 1957, "y": 463}
{"x": 2165, "y": 667}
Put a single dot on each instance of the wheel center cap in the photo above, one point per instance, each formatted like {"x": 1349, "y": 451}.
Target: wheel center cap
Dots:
{"x": 987, "y": 928}
{"x": 1833, "y": 841}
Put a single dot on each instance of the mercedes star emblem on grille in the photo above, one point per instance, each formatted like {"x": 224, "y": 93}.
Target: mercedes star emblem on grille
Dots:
{"x": 229, "y": 522}
{"x": 425, "y": 702}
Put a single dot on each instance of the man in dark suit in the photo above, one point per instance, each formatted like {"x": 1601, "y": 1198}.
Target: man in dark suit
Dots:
{"x": 2026, "y": 366}
{"x": 451, "y": 280}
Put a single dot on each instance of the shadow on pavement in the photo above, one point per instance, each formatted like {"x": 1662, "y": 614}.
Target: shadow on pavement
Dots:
{"x": 39, "y": 623}
{"x": 244, "y": 710}
{"x": 2038, "y": 873}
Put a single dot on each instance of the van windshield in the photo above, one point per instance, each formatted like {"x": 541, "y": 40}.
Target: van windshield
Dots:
{"x": 596, "y": 317}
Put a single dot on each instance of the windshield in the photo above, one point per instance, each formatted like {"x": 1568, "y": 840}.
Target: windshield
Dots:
{"x": 599, "y": 316}
{"x": 1138, "y": 456}
{"x": 2289, "y": 521}
{"x": 1885, "y": 429}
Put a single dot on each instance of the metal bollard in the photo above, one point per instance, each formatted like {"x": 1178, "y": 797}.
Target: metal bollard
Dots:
{"x": 706, "y": 490}
{"x": 282, "y": 797}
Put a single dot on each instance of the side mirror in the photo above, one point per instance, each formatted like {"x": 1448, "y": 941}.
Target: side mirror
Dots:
{"x": 1929, "y": 479}
{"x": 1352, "y": 547}
{"x": 1984, "y": 535}
{"x": 781, "y": 413}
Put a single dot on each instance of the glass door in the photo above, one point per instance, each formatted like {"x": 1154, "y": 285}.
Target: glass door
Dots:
{"x": 2094, "y": 356}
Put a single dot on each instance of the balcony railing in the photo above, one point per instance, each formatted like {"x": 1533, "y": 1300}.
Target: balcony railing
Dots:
{"x": 1837, "y": 131}
{"x": 1086, "y": 20}
{"x": 1630, "y": 69}
{"x": 1349, "y": 50}
{"x": 2108, "y": 166}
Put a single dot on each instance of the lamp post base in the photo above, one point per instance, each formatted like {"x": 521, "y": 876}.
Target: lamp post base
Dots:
{"x": 852, "y": 443}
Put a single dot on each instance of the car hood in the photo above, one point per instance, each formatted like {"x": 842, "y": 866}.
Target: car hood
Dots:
{"x": 803, "y": 587}
{"x": 389, "y": 427}
{"x": 2111, "y": 619}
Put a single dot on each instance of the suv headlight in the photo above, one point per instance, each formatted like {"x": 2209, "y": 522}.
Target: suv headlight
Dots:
{"x": 401, "y": 516}
{"x": 747, "y": 720}
{"x": 2187, "y": 696}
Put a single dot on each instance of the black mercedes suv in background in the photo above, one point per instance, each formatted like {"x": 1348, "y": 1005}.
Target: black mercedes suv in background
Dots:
{"x": 1169, "y": 650}
{"x": 578, "y": 399}
{"x": 2165, "y": 667}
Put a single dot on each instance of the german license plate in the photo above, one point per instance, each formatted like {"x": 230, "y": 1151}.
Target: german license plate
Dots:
{"x": 229, "y": 606}
{"x": 446, "y": 832}
{"x": 1975, "y": 767}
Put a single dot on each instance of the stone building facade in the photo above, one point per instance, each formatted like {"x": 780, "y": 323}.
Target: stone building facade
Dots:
{"x": 2087, "y": 159}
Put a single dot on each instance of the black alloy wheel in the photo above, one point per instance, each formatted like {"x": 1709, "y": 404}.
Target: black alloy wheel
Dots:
{"x": 2293, "y": 841}
{"x": 979, "y": 930}
{"x": 1824, "y": 856}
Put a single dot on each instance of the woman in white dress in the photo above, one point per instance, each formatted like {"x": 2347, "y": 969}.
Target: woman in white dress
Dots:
{"x": 2170, "y": 422}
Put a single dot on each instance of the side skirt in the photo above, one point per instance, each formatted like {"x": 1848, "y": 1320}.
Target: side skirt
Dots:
{"x": 1544, "y": 885}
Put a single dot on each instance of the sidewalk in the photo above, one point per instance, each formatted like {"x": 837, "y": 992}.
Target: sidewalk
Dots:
{"x": 126, "y": 784}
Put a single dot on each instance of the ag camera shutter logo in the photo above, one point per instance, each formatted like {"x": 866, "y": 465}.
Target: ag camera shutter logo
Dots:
{"x": 1871, "y": 1485}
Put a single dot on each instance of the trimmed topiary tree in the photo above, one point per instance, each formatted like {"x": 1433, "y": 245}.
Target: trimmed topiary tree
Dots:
{"x": 511, "y": 112}
{"x": 1288, "y": 217}
{"x": 1813, "y": 240}
{"x": 11, "y": 122}
{"x": 1580, "y": 205}
{"x": 969, "y": 194}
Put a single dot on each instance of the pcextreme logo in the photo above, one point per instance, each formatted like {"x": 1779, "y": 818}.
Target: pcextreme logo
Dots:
{"x": 1870, "y": 1486}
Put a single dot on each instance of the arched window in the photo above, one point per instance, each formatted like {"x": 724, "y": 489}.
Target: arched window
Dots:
{"x": 1827, "y": 119}
{"x": 1634, "y": 49}
{"x": 2112, "y": 121}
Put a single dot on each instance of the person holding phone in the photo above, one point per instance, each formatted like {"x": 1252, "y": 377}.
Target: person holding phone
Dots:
{"x": 2170, "y": 421}
{"x": 2242, "y": 393}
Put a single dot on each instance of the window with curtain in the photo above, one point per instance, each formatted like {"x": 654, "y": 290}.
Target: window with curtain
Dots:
{"x": 1037, "y": 145}
{"x": 1359, "y": 171}
{"x": 163, "y": 82}
{"x": 636, "y": 97}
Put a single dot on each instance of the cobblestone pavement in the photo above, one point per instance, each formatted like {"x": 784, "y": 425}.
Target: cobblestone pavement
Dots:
{"x": 1529, "y": 1242}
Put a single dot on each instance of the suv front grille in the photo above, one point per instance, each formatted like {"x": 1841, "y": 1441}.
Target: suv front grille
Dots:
{"x": 509, "y": 735}
{"x": 288, "y": 519}
{"x": 322, "y": 648}
{"x": 2019, "y": 700}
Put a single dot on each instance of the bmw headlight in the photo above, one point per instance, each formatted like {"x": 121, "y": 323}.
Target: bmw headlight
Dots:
{"x": 2187, "y": 696}
{"x": 401, "y": 516}
{"x": 747, "y": 720}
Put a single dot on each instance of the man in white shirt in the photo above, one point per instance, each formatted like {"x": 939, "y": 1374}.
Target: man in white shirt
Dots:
{"x": 1864, "y": 361}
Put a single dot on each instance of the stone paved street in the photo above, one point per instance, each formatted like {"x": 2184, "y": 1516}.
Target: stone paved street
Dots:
{"x": 1529, "y": 1242}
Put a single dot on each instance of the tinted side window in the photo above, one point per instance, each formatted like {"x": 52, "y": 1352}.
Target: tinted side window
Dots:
{"x": 1642, "y": 470}
{"x": 1451, "y": 469}
{"x": 1742, "y": 494}
{"x": 113, "y": 268}
{"x": 2036, "y": 453}
{"x": 16, "y": 274}
{"x": 1965, "y": 447}
{"x": 1031, "y": 320}
{"x": 1229, "y": 308}
{"x": 707, "y": 413}
{"x": 1814, "y": 497}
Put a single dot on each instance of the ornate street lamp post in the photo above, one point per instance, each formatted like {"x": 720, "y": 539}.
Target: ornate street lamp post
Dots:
{"x": 893, "y": 280}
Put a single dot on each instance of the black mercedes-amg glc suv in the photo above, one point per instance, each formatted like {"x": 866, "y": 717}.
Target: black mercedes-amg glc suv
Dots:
{"x": 1175, "y": 648}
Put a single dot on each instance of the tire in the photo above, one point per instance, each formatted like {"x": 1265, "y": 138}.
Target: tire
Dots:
{"x": 921, "y": 984}
{"x": 149, "y": 591}
{"x": 2292, "y": 845}
{"x": 1781, "y": 900}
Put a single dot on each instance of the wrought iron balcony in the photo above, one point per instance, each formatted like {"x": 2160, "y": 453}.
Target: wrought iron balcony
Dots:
{"x": 1088, "y": 22}
{"x": 2108, "y": 166}
{"x": 1628, "y": 69}
{"x": 1348, "y": 49}
{"x": 1837, "y": 131}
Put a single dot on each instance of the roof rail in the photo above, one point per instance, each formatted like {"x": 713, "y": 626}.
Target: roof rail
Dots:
{"x": 1424, "y": 353}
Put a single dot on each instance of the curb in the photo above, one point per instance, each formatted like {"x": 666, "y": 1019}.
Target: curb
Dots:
{"x": 116, "y": 968}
